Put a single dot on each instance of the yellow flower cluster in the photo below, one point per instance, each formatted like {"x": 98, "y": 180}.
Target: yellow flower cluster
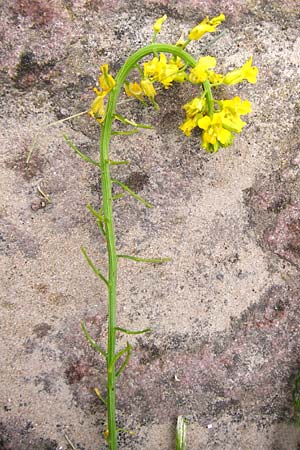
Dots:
{"x": 218, "y": 120}
{"x": 106, "y": 83}
{"x": 218, "y": 127}
{"x": 158, "y": 69}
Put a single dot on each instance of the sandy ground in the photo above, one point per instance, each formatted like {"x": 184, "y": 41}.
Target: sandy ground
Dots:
{"x": 225, "y": 346}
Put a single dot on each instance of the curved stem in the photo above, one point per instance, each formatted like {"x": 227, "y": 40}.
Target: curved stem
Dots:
{"x": 109, "y": 225}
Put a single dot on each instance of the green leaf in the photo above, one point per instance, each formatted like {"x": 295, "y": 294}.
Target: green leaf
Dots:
{"x": 131, "y": 192}
{"x": 181, "y": 433}
{"x": 116, "y": 163}
{"x": 92, "y": 342}
{"x": 126, "y": 350}
{"x": 124, "y": 330}
{"x": 117, "y": 196}
{"x": 79, "y": 153}
{"x": 95, "y": 213}
{"x": 132, "y": 122}
{"x": 145, "y": 260}
{"x": 92, "y": 266}
{"x": 100, "y": 218}
{"x": 124, "y": 133}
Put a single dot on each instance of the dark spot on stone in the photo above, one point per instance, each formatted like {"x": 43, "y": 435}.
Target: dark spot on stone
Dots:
{"x": 29, "y": 72}
{"x": 293, "y": 243}
{"x": 137, "y": 180}
{"x": 14, "y": 436}
{"x": 57, "y": 298}
{"x": 76, "y": 371}
{"x": 28, "y": 171}
{"x": 233, "y": 258}
{"x": 29, "y": 346}
{"x": 46, "y": 382}
{"x": 41, "y": 288}
{"x": 93, "y": 5}
{"x": 27, "y": 64}
{"x": 150, "y": 352}
{"x": 41, "y": 330}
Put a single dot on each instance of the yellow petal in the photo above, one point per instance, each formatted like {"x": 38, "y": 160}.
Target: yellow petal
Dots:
{"x": 204, "y": 122}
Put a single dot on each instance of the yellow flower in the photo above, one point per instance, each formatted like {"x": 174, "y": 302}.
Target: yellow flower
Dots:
{"x": 97, "y": 107}
{"x": 214, "y": 134}
{"x": 246, "y": 72}
{"x": 153, "y": 68}
{"x": 106, "y": 81}
{"x": 181, "y": 41}
{"x": 188, "y": 125}
{"x": 148, "y": 88}
{"x": 194, "y": 107}
{"x": 236, "y": 106}
{"x": 232, "y": 110}
{"x": 200, "y": 72}
{"x": 206, "y": 26}
{"x": 159, "y": 69}
{"x": 158, "y": 24}
{"x": 215, "y": 78}
{"x": 134, "y": 90}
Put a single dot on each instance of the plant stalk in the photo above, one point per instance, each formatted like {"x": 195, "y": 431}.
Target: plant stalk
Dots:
{"x": 106, "y": 182}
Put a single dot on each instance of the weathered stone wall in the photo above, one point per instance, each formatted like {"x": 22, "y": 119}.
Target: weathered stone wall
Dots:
{"x": 225, "y": 313}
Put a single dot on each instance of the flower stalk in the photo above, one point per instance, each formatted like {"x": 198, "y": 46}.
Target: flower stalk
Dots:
{"x": 107, "y": 208}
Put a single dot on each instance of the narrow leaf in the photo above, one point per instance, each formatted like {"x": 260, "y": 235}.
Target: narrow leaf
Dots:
{"x": 116, "y": 163}
{"x": 131, "y": 122}
{"x": 146, "y": 260}
{"x": 97, "y": 392}
{"x": 124, "y": 133}
{"x": 91, "y": 341}
{"x": 116, "y": 197}
{"x": 100, "y": 219}
{"x": 124, "y": 330}
{"x": 79, "y": 153}
{"x": 95, "y": 213}
{"x": 94, "y": 269}
{"x": 181, "y": 433}
{"x": 131, "y": 192}
{"x": 127, "y": 349}
{"x": 120, "y": 353}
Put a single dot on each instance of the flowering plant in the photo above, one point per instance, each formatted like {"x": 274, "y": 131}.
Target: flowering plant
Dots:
{"x": 218, "y": 121}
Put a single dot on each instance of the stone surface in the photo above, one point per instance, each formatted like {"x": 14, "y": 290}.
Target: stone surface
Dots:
{"x": 225, "y": 345}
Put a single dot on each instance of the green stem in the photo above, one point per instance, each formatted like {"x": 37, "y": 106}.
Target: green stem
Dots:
{"x": 109, "y": 225}
{"x": 209, "y": 97}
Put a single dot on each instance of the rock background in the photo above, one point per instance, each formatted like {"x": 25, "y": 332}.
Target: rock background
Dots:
{"x": 225, "y": 313}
